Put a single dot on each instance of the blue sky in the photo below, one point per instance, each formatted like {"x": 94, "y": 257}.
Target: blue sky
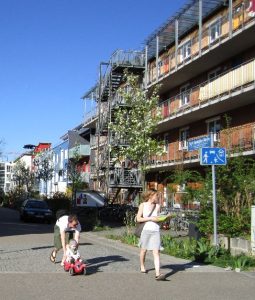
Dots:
{"x": 50, "y": 52}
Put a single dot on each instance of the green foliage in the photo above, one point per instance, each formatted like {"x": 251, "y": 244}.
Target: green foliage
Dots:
{"x": 129, "y": 239}
{"x": 59, "y": 201}
{"x": 23, "y": 177}
{"x": 226, "y": 224}
{"x": 181, "y": 176}
{"x": 136, "y": 121}
{"x": 88, "y": 217}
{"x": 201, "y": 251}
{"x": 74, "y": 171}
{"x": 241, "y": 261}
{"x": 129, "y": 221}
{"x": 43, "y": 163}
{"x": 183, "y": 248}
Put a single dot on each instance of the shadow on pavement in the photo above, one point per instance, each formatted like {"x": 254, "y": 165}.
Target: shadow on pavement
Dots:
{"x": 177, "y": 268}
{"x": 96, "y": 263}
{"x": 10, "y": 224}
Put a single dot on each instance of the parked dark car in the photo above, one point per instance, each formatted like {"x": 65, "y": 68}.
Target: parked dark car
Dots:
{"x": 36, "y": 210}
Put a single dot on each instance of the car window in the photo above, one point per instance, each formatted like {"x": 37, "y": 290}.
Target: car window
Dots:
{"x": 36, "y": 204}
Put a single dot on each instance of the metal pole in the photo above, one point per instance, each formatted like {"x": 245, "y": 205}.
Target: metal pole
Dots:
{"x": 200, "y": 27}
{"x": 146, "y": 66}
{"x": 98, "y": 123}
{"x": 176, "y": 42}
{"x": 215, "y": 238}
{"x": 230, "y": 12}
{"x": 157, "y": 50}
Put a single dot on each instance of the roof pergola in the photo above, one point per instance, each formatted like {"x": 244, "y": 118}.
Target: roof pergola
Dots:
{"x": 185, "y": 19}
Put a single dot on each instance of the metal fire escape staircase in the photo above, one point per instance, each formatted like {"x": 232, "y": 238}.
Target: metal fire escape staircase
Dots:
{"x": 116, "y": 178}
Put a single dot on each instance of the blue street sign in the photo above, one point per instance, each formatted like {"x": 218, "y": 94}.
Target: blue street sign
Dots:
{"x": 196, "y": 144}
{"x": 213, "y": 156}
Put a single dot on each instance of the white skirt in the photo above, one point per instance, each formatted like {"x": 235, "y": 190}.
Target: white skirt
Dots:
{"x": 150, "y": 240}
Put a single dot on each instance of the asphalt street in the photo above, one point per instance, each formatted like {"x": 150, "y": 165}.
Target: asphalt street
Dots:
{"x": 113, "y": 270}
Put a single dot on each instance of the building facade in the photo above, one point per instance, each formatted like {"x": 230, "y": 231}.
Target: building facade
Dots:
{"x": 6, "y": 176}
{"x": 204, "y": 60}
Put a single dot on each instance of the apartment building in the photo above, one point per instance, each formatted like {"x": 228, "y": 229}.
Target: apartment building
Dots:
{"x": 204, "y": 59}
{"x": 6, "y": 176}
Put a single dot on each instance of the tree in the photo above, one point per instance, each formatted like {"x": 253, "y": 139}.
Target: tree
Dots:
{"x": 74, "y": 171}
{"x": 136, "y": 122}
{"x": 23, "y": 176}
{"x": 44, "y": 168}
{"x": 1, "y": 151}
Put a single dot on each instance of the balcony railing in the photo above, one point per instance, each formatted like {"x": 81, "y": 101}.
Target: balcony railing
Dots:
{"x": 85, "y": 177}
{"x": 128, "y": 58}
{"x": 91, "y": 115}
{"x": 240, "y": 139}
{"x": 170, "y": 61}
{"x": 81, "y": 150}
{"x": 125, "y": 177}
{"x": 232, "y": 80}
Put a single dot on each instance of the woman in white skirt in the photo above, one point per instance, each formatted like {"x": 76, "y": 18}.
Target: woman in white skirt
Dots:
{"x": 150, "y": 237}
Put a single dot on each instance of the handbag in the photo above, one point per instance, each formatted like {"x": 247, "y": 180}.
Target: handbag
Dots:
{"x": 139, "y": 226}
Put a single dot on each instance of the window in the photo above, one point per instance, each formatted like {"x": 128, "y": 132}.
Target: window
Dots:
{"x": 184, "y": 95}
{"x": 166, "y": 138}
{"x": 185, "y": 51}
{"x": 214, "y": 31}
{"x": 213, "y": 129}
{"x": 183, "y": 138}
{"x": 213, "y": 74}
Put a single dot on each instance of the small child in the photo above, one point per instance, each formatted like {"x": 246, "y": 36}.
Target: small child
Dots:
{"x": 73, "y": 262}
{"x": 72, "y": 253}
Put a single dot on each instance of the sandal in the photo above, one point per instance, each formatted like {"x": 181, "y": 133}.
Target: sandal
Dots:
{"x": 144, "y": 272}
{"x": 53, "y": 256}
{"x": 160, "y": 277}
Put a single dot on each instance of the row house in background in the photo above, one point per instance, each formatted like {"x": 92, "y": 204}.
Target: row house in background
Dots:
{"x": 74, "y": 142}
{"x": 204, "y": 59}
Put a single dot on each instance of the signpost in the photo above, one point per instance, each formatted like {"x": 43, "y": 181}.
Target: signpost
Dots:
{"x": 253, "y": 229}
{"x": 213, "y": 156}
{"x": 196, "y": 144}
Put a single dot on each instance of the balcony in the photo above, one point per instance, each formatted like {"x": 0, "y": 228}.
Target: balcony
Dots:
{"x": 230, "y": 90}
{"x": 126, "y": 59}
{"x": 196, "y": 54}
{"x": 80, "y": 150}
{"x": 91, "y": 117}
{"x": 236, "y": 140}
